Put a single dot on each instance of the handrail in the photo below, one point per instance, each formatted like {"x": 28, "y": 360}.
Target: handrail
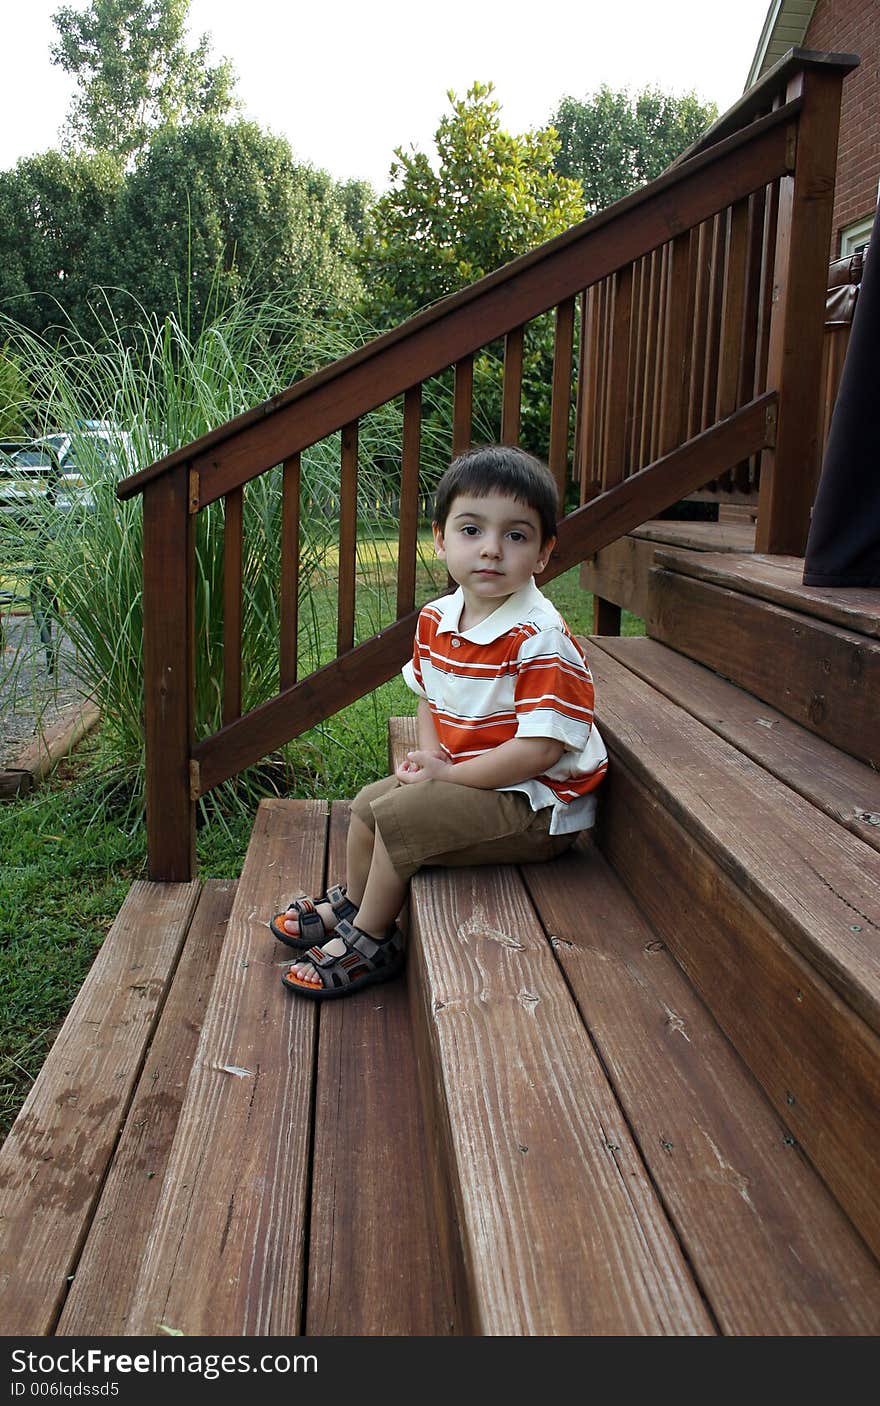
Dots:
{"x": 479, "y": 313}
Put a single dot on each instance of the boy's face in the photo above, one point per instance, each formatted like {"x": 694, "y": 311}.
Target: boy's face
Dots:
{"x": 491, "y": 546}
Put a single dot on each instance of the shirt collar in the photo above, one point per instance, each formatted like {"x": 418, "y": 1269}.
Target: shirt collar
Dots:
{"x": 506, "y": 617}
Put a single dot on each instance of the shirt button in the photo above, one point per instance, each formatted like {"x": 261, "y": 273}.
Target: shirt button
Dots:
{"x": 455, "y": 644}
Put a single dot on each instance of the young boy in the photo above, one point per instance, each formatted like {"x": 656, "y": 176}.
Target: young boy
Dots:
{"x": 508, "y": 757}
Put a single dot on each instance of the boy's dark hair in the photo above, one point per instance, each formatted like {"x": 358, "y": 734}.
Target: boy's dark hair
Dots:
{"x": 500, "y": 468}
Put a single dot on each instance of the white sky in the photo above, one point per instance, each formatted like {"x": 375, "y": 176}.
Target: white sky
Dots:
{"x": 348, "y": 82}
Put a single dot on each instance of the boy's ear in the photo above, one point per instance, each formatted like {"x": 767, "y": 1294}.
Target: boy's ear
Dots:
{"x": 547, "y": 549}
{"x": 439, "y": 546}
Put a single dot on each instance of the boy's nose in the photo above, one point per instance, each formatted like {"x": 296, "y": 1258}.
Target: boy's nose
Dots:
{"x": 491, "y": 548}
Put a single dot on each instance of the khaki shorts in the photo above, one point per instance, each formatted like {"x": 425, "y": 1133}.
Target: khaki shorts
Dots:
{"x": 435, "y": 822}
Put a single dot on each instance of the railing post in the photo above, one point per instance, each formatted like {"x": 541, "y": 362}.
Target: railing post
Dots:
{"x": 789, "y": 471}
{"x": 169, "y": 593}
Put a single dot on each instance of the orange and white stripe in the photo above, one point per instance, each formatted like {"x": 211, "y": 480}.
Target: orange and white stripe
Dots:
{"x": 519, "y": 673}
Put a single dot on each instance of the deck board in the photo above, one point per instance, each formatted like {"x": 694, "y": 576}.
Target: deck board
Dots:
{"x": 771, "y": 1248}
{"x": 376, "y": 1263}
{"x": 100, "y": 1298}
{"x": 226, "y": 1253}
{"x": 844, "y": 788}
{"x": 53, "y": 1163}
{"x": 819, "y": 884}
{"x": 780, "y": 579}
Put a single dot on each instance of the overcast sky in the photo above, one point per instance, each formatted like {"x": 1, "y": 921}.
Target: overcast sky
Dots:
{"x": 346, "y": 82}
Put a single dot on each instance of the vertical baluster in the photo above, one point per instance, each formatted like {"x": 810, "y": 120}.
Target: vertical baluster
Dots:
{"x": 409, "y": 501}
{"x": 750, "y": 332}
{"x": 618, "y": 377}
{"x": 605, "y": 290}
{"x": 587, "y": 395}
{"x": 463, "y": 406}
{"x": 638, "y": 376}
{"x": 560, "y": 405}
{"x": 713, "y": 321}
{"x": 678, "y": 330}
{"x": 701, "y": 314}
{"x": 291, "y": 488}
{"x": 347, "y": 538}
{"x": 765, "y": 301}
{"x": 657, "y": 370}
{"x": 732, "y": 307}
{"x": 653, "y": 291}
{"x": 512, "y": 395}
{"x": 232, "y": 604}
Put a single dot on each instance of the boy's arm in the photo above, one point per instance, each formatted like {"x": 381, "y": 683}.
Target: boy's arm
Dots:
{"x": 427, "y": 732}
{"x": 520, "y": 759}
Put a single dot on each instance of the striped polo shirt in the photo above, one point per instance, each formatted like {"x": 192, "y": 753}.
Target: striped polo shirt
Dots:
{"x": 519, "y": 673}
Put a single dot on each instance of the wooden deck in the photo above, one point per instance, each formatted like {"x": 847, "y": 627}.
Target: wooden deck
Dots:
{"x": 632, "y": 1092}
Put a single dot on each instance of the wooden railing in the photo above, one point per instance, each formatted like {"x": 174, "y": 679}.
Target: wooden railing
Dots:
{"x": 762, "y": 182}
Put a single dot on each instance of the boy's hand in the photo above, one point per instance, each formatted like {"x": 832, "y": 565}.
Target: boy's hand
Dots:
{"x": 420, "y": 765}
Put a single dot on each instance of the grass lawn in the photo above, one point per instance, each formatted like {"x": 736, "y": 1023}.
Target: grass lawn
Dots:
{"x": 72, "y": 849}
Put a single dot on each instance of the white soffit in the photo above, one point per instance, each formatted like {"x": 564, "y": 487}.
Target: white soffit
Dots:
{"x": 784, "y": 28}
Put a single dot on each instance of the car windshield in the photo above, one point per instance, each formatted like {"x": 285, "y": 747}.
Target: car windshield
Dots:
{"x": 31, "y": 459}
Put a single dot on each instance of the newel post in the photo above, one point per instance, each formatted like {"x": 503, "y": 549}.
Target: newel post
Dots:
{"x": 790, "y": 470}
{"x": 169, "y": 599}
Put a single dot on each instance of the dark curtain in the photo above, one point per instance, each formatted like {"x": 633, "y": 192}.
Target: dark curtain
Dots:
{"x": 843, "y": 546}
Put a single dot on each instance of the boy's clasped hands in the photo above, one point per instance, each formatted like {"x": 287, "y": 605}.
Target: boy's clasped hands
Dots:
{"x": 420, "y": 765}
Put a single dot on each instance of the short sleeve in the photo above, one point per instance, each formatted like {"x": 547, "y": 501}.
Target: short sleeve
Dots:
{"x": 553, "y": 693}
{"x": 412, "y": 669}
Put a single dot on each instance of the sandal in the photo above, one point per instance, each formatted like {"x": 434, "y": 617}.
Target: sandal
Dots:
{"x": 311, "y": 925}
{"x": 364, "y": 961}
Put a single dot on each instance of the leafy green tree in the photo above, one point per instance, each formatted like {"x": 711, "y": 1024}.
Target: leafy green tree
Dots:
{"x": 135, "y": 72}
{"x": 13, "y": 395}
{"x": 214, "y": 210}
{"x": 56, "y": 218}
{"x": 488, "y": 197}
{"x": 613, "y": 143}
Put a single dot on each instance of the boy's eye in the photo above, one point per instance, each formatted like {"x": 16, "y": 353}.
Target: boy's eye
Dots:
{"x": 470, "y": 529}
{"x": 518, "y": 536}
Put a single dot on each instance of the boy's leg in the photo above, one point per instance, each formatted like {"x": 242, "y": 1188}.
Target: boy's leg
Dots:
{"x": 382, "y": 899}
{"x": 359, "y": 850}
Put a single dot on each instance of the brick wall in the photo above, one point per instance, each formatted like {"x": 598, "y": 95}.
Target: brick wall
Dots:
{"x": 853, "y": 27}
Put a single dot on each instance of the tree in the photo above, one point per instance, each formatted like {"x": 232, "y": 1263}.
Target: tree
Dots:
{"x": 56, "y": 223}
{"x": 491, "y": 197}
{"x": 613, "y": 143}
{"x": 135, "y": 73}
{"x": 214, "y": 210}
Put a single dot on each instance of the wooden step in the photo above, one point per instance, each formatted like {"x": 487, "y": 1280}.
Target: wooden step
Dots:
{"x": 59, "y": 1150}
{"x": 844, "y": 788}
{"x": 819, "y": 674}
{"x": 242, "y": 1200}
{"x": 621, "y": 572}
{"x": 772, "y": 909}
{"x": 780, "y": 579}
{"x": 529, "y": 1085}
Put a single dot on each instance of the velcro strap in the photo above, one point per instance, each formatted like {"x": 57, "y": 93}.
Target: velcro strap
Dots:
{"x": 336, "y": 896}
{"x": 319, "y": 958}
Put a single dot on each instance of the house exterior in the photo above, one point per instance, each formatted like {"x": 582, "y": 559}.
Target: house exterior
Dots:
{"x": 839, "y": 26}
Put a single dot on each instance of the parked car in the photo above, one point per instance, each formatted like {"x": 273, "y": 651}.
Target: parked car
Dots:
{"x": 57, "y": 468}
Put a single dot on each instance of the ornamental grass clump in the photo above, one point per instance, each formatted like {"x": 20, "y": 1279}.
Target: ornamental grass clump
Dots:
{"x": 153, "y": 388}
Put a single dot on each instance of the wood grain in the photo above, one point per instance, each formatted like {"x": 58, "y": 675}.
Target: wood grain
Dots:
{"x": 53, "y": 1163}
{"x": 564, "y": 1233}
{"x": 100, "y": 1298}
{"x": 778, "y": 579}
{"x": 371, "y": 1274}
{"x": 824, "y": 677}
{"x": 845, "y": 789}
{"x": 225, "y": 1257}
{"x": 816, "y": 883}
{"x": 816, "y": 1060}
{"x": 772, "y": 1250}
